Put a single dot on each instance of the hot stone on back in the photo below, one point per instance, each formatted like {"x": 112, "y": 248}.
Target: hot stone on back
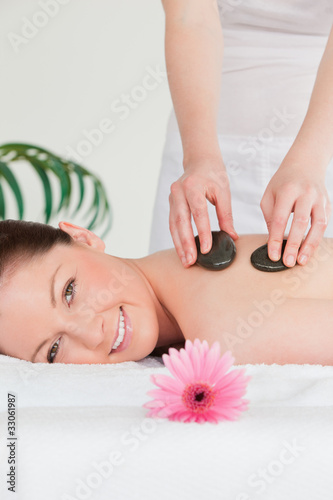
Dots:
{"x": 221, "y": 254}
{"x": 261, "y": 261}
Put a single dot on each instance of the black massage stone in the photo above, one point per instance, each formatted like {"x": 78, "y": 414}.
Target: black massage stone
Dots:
{"x": 261, "y": 261}
{"x": 221, "y": 254}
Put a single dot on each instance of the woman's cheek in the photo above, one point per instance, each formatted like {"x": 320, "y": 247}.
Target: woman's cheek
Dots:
{"x": 85, "y": 302}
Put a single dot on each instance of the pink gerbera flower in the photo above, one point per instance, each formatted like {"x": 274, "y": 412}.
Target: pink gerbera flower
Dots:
{"x": 201, "y": 390}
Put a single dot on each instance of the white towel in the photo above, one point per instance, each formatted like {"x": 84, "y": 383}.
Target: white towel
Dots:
{"x": 83, "y": 434}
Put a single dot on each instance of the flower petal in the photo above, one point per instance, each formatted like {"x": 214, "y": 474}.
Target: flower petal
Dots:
{"x": 178, "y": 368}
{"x": 211, "y": 360}
{"x": 196, "y": 363}
{"x": 229, "y": 401}
{"x": 224, "y": 379}
{"x": 167, "y": 361}
{"x": 154, "y": 404}
{"x": 228, "y": 413}
{"x": 187, "y": 363}
{"x": 188, "y": 345}
{"x": 165, "y": 396}
{"x": 168, "y": 383}
{"x": 197, "y": 343}
{"x": 152, "y": 414}
{"x": 182, "y": 416}
{"x": 172, "y": 408}
{"x": 210, "y": 416}
{"x": 173, "y": 352}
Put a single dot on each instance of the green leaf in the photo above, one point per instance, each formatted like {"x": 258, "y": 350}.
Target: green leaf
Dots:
{"x": 96, "y": 204}
{"x": 106, "y": 213}
{"x": 80, "y": 173}
{"x": 13, "y": 184}
{"x": 108, "y": 227}
{"x": 39, "y": 167}
{"x": 43, "y": 162}
{"x": 2, "y": 204}
{"x": 59, "y": 169}
{"x": 20, "y": 148}
{"x": 105, "y": 208}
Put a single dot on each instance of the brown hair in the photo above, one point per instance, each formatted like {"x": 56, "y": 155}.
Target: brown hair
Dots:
{"x": 21, "y": 241}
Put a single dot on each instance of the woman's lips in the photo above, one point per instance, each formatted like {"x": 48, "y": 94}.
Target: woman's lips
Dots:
{"x": 127, "y": 335}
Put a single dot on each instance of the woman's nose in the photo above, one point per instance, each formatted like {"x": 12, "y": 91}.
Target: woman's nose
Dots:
{"x": 89, "y": 331}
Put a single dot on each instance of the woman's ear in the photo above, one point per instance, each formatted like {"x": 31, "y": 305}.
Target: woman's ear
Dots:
{"x": 82, "y": 235}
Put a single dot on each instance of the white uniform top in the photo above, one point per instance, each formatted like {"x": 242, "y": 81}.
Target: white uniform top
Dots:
{"x": 272, "y": 51}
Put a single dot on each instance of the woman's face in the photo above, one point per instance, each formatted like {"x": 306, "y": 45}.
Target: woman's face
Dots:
{"x": 70, "y": 301}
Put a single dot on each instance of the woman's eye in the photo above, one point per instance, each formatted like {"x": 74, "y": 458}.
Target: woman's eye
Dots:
{"x": 70, "y": 291}
{"x": 53, "y": 352}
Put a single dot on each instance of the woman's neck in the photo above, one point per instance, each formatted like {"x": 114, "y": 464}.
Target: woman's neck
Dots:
{"x": 150, "y": 268}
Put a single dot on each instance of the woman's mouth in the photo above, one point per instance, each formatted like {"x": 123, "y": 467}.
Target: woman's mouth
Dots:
{"x": 124, "y": 333}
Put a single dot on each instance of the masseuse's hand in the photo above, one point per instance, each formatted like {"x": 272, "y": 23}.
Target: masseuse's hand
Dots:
{"x": 204, "y": 179}
{"x": 299, "y": 188}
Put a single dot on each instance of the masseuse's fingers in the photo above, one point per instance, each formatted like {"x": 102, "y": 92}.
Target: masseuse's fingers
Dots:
{"x": 297, "y": 186}
{"x": 276, "y": 210}
{"x": 199, "y": 210}
{"x": 304, "y": 193}
{"x": 224, "y": 212}
{"x": 302, "y": 212}
{"x": 204, "y": 180}
{"x": 319, "y": 220}
{"x": 180, "y": 226}
{"x": 214, "y": 187}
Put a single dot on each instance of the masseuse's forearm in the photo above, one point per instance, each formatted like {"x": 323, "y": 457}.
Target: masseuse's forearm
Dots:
{"x": 194, "y": 51}
{"x": 315, "y": 138}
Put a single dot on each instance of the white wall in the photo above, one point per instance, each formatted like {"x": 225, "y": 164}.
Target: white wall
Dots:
{"x": 64, "y": 79}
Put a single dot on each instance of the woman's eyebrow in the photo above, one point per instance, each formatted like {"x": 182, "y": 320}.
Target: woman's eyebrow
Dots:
{"x": 54, "y": 303}
{"x": 38, "y": 348}
{"x": 53, "y": 300}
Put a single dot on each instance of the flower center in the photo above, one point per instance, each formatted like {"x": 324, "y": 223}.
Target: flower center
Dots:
{"x": 198, "y": 397}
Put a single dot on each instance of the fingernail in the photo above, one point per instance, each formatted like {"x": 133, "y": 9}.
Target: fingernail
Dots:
{"x": 275, "y": 255}
{"x": 204, "y": 246}
{"x": 290, "y": 260}
{"x": 302, "y": 259}
{"x": 188, "y": 257}
{"x": 184, "y": 260}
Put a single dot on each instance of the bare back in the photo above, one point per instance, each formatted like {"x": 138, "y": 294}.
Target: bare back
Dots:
{"x": 282, "y": 317}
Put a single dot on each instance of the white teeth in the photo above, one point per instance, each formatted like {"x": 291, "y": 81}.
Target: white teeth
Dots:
{"x": 121, "y": 335}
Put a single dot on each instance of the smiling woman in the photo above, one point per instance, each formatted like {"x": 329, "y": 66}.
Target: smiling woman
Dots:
{"x": 64, "y": 300}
